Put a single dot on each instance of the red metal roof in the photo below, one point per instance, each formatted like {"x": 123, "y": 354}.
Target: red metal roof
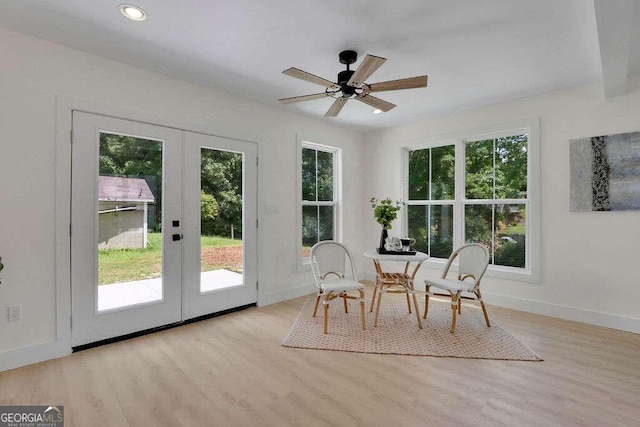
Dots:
{"x": 112, "y": 188}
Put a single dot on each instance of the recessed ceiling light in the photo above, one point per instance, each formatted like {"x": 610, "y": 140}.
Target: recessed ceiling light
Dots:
{"x": 132, "y": 12}
{"x": 377, "y": 111}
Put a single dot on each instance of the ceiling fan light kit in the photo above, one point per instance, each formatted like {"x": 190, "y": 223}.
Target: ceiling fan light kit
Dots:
{"x": 351, "y": 84}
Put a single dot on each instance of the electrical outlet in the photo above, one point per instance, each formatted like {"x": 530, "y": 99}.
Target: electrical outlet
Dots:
{"x": 14, "y": 313}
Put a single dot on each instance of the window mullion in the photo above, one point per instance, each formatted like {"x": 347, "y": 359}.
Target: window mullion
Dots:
{"x": 460, "y": 189}
{"x": 316, "y": 169}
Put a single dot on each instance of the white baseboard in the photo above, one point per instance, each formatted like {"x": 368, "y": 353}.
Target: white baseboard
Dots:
{"x": 33, "y": 354}
{"x": 370, "y": 276}
{"x": 591, "y": 317}
{"x": 286, "y": 294}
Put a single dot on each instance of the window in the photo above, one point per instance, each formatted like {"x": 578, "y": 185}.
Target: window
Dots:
{"x": 318, "y": 196}
{"x": 477, "y": 189}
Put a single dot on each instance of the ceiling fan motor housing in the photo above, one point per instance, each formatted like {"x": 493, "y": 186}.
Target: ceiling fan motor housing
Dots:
{"x": 348, "y": 57}
{"x": 343, "y": 78}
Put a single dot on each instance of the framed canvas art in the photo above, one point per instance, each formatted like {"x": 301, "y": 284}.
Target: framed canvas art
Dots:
{"x": 605, "y": 173}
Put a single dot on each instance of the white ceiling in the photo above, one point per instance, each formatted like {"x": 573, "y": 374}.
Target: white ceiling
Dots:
{"x": 476, "y": 52}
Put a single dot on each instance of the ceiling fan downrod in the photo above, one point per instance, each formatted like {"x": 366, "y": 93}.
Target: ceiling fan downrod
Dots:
{"x": 346, "y": 57}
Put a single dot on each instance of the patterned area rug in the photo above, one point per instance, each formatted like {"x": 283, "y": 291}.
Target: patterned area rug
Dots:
{"x": 397, "y": 332}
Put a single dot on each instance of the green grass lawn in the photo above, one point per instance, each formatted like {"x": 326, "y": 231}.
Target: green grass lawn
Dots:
{"x": 515, "y": 229}
{"x": 125, "y": 265}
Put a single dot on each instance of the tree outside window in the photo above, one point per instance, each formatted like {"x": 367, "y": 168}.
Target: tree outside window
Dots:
{"x": 318, "y": 198}
{"x": 490, "y": 194}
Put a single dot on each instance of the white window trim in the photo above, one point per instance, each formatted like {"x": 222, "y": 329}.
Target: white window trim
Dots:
{"x": 303, "y": 264}
{"x": 532, "y": 128}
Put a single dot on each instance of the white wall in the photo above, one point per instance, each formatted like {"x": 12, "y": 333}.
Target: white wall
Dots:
{"x": 588, "y": 259}
{"x": 33, "y": 73}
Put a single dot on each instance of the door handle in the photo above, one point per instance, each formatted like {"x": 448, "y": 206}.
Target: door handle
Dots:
{"x": 176, "y": 237}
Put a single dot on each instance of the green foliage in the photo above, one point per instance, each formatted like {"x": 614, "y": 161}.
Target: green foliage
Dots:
{"x": 208, "y": 206}
{"x": 509, "y": 154}
{"x": 317, "y": 186}
{"x": 510, "y": 254}
{"x": 317, "y": 175}
{"x": 494, "y": 169}
{"x": 437, "y": 163}
{"x": 385, "y": 211}
{"x": 221, "y": 176}
{"x": 431, "y": 225}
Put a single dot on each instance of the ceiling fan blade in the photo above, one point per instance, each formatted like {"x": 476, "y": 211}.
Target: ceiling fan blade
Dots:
{"x": 368, "y": 66}
{"x": 336, "y": 107}
{"x": 378, "y": 103}
{"x": 408, "y": 83}
{"x": 303, "y": 98}
{"x": 299, "y": 74}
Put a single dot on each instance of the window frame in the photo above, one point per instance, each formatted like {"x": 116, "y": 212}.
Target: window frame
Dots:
{"x": 304, "y": 263}
{"x": 531, "y": 271}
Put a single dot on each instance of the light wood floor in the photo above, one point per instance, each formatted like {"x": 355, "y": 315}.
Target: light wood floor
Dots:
{"x": 232, "y": 371}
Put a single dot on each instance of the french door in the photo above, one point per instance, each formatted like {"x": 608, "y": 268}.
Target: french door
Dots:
{"x": 163, "y": 226}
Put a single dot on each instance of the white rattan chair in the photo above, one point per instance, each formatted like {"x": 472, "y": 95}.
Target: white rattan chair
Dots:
{"x": 332, "y": 264}
{"x": 473, "y": 260}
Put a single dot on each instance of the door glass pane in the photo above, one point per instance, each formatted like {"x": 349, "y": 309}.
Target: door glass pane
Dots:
{"x": 479, "y": 170}
{"x": 510, "y": 231}
{"x": 221, "y": 219}
{"x": 129, "y": 221}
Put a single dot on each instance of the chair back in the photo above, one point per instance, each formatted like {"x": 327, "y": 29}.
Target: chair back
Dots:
{"x": 473, "y": 260}
{"x": 331, "y": 259}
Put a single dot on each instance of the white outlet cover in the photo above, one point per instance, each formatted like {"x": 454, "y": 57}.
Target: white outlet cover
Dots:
{"x": 14, "y": 313}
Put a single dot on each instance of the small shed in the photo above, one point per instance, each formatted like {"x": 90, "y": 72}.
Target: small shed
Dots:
{"x": 122, "y": 212}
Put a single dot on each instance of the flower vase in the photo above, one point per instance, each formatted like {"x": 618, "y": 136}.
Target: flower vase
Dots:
{"x": 383, "y": 238}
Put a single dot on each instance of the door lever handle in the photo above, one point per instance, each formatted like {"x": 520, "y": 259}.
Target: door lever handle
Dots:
{"x": 176, "y": 237}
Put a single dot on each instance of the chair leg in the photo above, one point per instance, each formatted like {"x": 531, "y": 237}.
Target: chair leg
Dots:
{"x": 484, "y": 309}
{"x": 362, "y": 309}
{"x": 373, "y": 298}
{"x": 426, "y": 301}
{"x": 454, "y": 310}
{"x": 315, "y": 309}
{"x": 344, "y": 299}
{"x": 408, "y": 301}
{"x": 375, "y": 320}
{"x": 326, "y": 312}
{"x": 415, "y": 305}
{"x": 459, "y": 305}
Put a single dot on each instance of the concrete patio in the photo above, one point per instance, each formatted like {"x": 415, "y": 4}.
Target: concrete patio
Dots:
{"x": 118, "y": 295}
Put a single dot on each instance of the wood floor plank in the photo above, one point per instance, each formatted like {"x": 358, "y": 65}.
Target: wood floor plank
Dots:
{"x": 232, "y": 370}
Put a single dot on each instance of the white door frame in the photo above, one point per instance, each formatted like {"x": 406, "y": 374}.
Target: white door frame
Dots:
{"x": 89, "y": 324}
{"x": 61, "y": 344}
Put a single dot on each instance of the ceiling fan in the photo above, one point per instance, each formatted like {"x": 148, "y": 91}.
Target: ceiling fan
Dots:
{"x": 351, "y": 84}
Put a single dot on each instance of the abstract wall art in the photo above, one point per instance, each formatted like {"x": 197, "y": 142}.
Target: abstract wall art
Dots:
{"x": 605, "y": 173}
